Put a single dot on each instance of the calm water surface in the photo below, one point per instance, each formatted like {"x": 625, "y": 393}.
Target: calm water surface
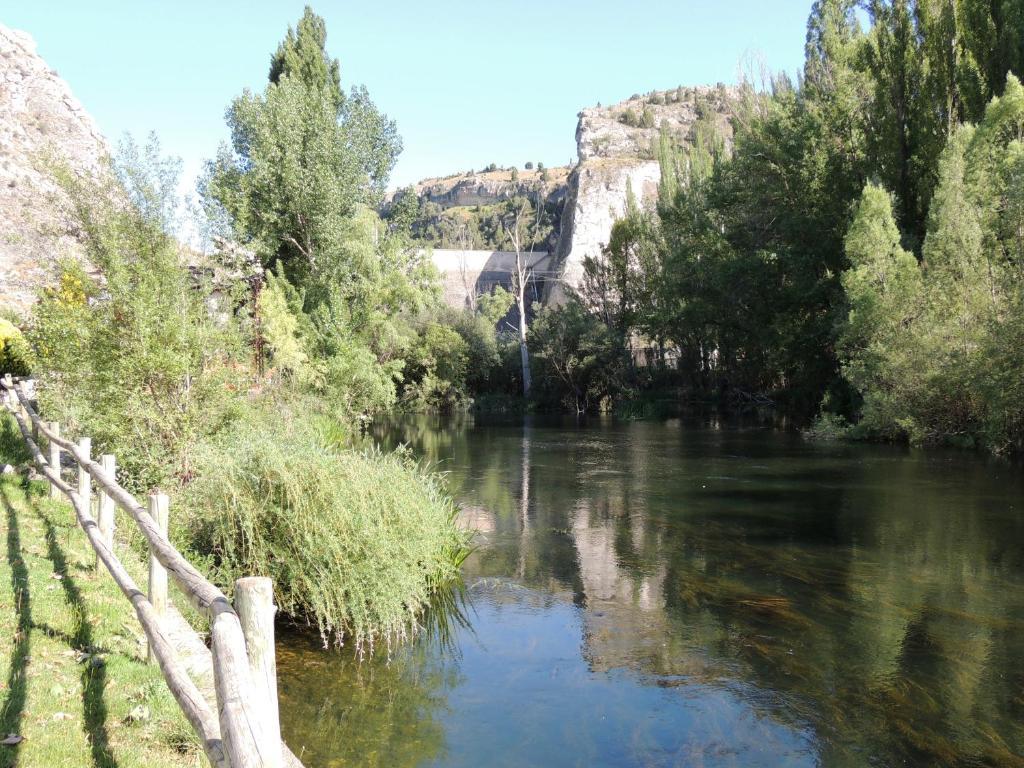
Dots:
{"x": 664, "y": 594}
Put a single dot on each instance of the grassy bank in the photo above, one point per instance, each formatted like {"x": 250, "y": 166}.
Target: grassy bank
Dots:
{"x": 75, "y": 687}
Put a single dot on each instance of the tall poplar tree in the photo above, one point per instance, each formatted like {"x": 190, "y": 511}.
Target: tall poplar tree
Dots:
{"x": 896, "y": 124}
{"x": 303, "y": 156}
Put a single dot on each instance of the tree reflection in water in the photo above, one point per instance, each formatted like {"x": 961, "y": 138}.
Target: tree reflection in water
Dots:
{"x": 873, "y": 597}
{"x": 338, "y": 711}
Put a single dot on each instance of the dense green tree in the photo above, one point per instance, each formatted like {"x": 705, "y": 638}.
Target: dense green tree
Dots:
{"x": 783, "y": 205}
{"x": 303, "y": 156}
{"x": 404, "y": 212}
{"x": 303, "y": 55}
{"x": 927, "y": 347}
{"x": 577, "y": 359}
{"x": 993, "y": 36}
{"x": 895, "y": 125}
{"x": 306, "y": 167}
{"x": 883, "y": 288}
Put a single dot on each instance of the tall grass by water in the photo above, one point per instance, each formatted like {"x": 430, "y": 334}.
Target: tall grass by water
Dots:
{"x": 358, "y": 543}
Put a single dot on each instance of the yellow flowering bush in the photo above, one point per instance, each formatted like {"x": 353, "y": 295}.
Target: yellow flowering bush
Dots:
{"x": 15, "y": 355}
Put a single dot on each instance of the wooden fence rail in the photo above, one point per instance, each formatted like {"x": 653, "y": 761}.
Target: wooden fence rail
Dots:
{"x": 245, "y": 733}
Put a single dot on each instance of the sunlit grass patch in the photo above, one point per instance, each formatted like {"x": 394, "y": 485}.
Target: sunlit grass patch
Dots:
{"x": 73, "y": 685}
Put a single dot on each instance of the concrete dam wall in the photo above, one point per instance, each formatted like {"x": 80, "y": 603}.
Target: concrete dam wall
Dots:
{"x": 468, "y": 274}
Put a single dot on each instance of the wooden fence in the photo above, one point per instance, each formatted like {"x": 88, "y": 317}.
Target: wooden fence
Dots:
{"x": 245, "y": 732}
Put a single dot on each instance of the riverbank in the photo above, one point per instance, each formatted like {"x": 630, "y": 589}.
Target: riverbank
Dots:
{"x": 77, "y": 690}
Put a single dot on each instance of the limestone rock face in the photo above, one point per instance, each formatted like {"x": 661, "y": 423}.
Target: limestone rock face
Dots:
{"x": 630, "y": 128}
{"x": 488, "y": 187}
{"x": 39, "y": 116}
{"x": 598, "y": 190}
{"x": 616, "y": 147}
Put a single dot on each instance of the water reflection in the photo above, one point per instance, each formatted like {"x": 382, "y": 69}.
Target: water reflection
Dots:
{"x": 655, "y": 594}
{"x": 337, "y": 711}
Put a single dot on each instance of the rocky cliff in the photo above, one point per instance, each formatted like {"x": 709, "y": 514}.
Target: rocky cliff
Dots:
{"x": 488, "y": 187}
{"x": 464, "y": 210}
{"x": 616, "y": 147}
{"x": 39, "y": 117}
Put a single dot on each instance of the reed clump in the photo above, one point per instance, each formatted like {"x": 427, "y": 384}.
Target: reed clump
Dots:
{"x": 358, "y": 542}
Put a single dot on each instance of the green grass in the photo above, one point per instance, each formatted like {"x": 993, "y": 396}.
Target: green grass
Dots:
{"x": 73, "y": 683}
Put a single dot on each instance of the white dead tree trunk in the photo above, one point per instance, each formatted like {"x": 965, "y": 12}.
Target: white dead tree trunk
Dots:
{"x": 520, "y": 283}
{"x": 524, "y": 505}
{"x": 465, "y": 244}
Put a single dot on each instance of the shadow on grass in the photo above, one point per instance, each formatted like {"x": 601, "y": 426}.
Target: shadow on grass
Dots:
{"x": 94, "y": 668}
{"x": 14, "y": 699}
{"x": 12, "y": 446}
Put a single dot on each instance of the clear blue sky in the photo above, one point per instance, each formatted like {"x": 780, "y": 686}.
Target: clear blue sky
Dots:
{"x": 470, "y": 82}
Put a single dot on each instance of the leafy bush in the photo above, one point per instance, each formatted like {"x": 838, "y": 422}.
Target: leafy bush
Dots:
{"x": 576, "y": 358}
{"x": 439, "y": 368}
{"x": 629, "y": 117}
{"x": 356, "y": 542}
{"x": 15, "y": 354}
{"x": 481, "y": 343}
{"x": 353, "y": 380}
{"x": 828, "y": 426}
{"x": 459, "y": 355}
{"x": 138, "y": 361}
{"x": 280, "y": 327}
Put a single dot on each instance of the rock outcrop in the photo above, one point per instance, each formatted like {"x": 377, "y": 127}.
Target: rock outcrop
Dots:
{"x": 597, "y": 194}
{"x": 490, "y": 187}
{"x": 39, "y": 117}
{"x": 630, "y": 128}
{"x": 616, "y": 147}
{"x": 468, "y": 203}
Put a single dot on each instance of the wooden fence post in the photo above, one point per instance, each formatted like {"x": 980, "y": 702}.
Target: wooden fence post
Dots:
{"x": 84, "y": 478}
{"x": 106, "y": 505}
{"x": 159, "y": 510}
{"x": 54, "y": 458}
{"x": 254, "y": 602}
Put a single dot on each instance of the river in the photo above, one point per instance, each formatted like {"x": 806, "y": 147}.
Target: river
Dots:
{"x": 679, "y": 594}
